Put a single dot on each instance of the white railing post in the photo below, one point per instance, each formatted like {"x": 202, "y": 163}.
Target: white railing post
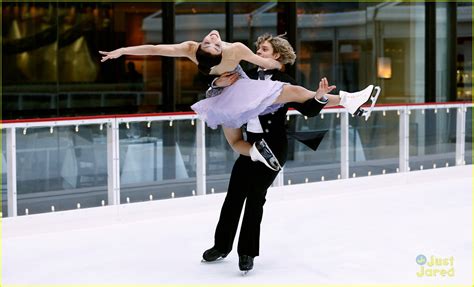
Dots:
{"x": 200, "y": 157}
{"x": 113, "y": 163}
{"x": 344, "y": 145}
{"x": 404, "y": 140}
{"x": 460, "y": 134}
{"x": 279, "y": 180}
{"x": 11, "y": 172}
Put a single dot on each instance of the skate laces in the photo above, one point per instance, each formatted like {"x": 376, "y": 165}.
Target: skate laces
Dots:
{"x": 265, "y": 151}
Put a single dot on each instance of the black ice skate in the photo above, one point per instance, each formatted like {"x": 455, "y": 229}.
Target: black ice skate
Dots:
{"x": 245, "y": 263}
{"x": 353, "y": 101}
{"x": 260, "y": 151}
{"x": 212, "y": 255}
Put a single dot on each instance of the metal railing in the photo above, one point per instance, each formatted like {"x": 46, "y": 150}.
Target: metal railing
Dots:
{"x": 113, "y": 143}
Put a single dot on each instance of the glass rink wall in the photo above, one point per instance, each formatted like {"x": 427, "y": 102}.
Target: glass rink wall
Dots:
{"x": 72, "y": 163}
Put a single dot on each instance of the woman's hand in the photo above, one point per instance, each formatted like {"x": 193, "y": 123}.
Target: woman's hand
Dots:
{"x": 226, "y": 79}
{"x": 324, "y": 88}
{"x": 112, "y": 54}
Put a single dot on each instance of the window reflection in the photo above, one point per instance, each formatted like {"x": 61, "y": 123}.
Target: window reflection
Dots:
{"x": 252, "y": 20}
{"x": 345, "y": 41}
{"x": 51, "y": 66}
{"x": 464, "y": 52}
{"x": 193, "y": 22}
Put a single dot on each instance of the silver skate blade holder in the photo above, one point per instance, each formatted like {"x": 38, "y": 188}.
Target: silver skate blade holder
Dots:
{"x": 374, "y": 100}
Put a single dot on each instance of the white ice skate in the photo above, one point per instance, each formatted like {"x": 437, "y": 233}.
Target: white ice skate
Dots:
{"x": 353, "y": 101}
{"x": 260, "y": 151}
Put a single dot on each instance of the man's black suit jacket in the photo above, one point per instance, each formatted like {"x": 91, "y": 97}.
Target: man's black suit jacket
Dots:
{"x": 249, "y": 181}
{"x": 274, "y": 124}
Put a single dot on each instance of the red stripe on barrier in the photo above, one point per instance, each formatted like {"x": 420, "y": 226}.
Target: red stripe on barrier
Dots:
{"x": 192, "y": 113}
{"x": 95, "y": 117}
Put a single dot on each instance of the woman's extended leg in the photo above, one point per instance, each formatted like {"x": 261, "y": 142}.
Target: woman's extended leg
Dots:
{"x": 259, "y": 151}
{"x": 299, "y": 94}
{"x": 333, "y": 100}
{"x": 235, "y": 139}
{"x": 351, "y": 101}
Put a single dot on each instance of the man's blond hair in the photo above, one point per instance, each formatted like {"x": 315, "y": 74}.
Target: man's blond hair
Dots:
{"x": 280, "y": 45}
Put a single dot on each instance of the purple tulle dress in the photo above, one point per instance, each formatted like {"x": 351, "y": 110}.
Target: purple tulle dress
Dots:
{"x": 240, "y": 102}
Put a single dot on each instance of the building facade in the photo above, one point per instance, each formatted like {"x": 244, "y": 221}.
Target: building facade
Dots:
{"x": 418, "y": 52}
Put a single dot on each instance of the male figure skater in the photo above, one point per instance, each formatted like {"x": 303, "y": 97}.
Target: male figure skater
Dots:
{"x": 250, "y": 180}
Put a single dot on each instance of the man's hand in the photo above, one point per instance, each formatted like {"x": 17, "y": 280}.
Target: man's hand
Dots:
{"x": 226, "y": 79}
{"x": 324, "y": 88}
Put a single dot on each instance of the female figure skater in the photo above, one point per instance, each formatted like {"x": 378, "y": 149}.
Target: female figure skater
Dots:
{"x": 245, "y": 99}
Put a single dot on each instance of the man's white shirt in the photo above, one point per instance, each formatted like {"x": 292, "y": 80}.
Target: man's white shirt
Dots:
{"x": 253, "y": 125}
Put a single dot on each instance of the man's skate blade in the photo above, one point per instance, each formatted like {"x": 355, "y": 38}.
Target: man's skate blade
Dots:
{"x": 212, "y": 262}
{"x": 278, "y": 166}
{"x": 244, "y": 273}
{"x": 374, "y": 99}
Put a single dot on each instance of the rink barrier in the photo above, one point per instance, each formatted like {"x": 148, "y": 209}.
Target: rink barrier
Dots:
{"x": 112, "y": 122}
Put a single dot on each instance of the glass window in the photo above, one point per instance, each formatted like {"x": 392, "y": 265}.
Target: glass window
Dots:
{"x": 356, "y": 44}
{"x": 194, "y": 21}
{"x": 464, "y": 52}
{"x": 252, "y": 20}
{"x": 29, "y": 73}
{"x": 51, "y": 65}
{"x": 133, "y": 83}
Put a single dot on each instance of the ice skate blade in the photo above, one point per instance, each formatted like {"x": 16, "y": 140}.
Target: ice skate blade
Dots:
{"x": 211, "y": 262}
{"x": 373, "y": 98}
{"x": 245, "y": 272}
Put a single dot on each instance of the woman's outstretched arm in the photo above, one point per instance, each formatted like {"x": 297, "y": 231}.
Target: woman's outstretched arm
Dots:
{"x": 244, "y": 53}
{"x": 185, "y": 49}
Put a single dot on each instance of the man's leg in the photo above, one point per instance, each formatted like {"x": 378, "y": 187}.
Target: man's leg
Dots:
{"x": 249, "y": 238}
{"x": 230, "y": 213}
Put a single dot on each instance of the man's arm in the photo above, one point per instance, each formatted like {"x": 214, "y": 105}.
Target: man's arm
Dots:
{"x": 221, "y": 82}
{"x": 310, "y": 108}
{"x": 213, "y": 90}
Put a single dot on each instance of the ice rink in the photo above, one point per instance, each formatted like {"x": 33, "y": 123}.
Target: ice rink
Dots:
{"x": 366, "y": 230}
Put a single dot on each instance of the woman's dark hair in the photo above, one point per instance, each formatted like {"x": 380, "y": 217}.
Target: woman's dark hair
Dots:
{"x": 206, "y": 60}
